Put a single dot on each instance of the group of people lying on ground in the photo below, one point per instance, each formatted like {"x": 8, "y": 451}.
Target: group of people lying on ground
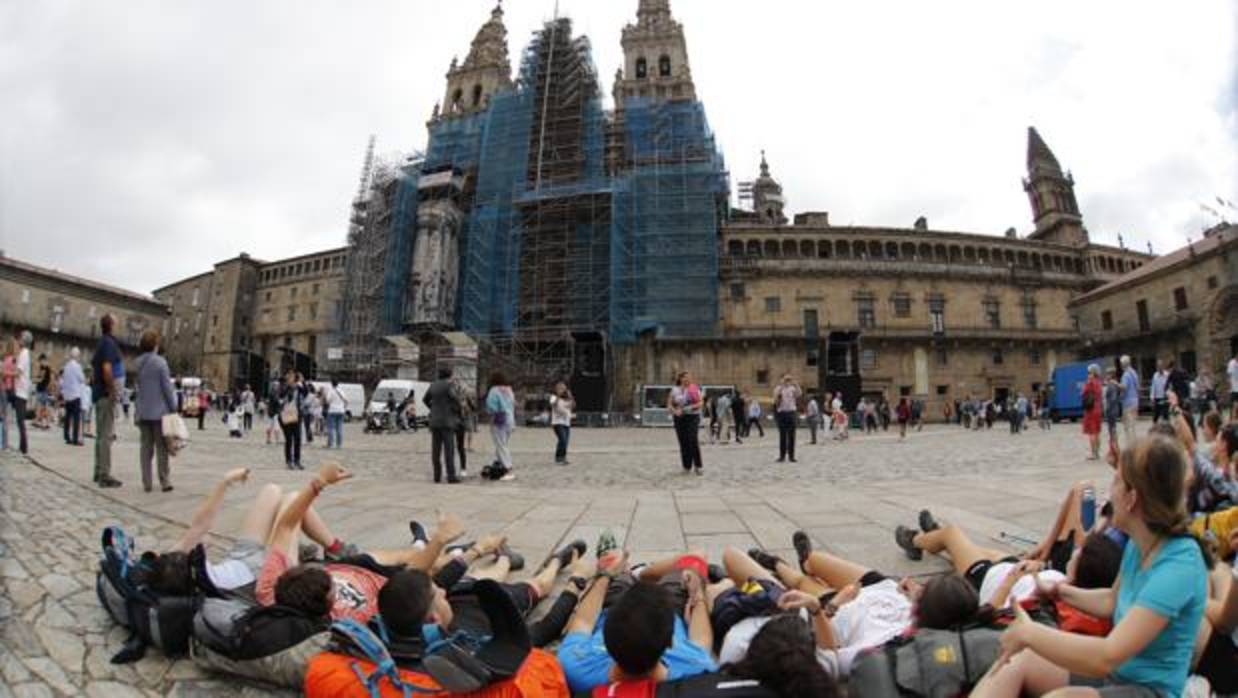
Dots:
{"x": 1126, "y": 597}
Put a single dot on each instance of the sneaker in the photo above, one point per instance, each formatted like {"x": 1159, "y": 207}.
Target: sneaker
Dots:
{"x": 803, "y": 547}
{"x": 606, "y": 543}
{"x": 346, "y": 550}
{"x": 764, "y": 559}
{"x": 571, "y": 552}
{"x": 515, "y": 558}
{"x": 507, "y": 477}
{"x": 716, "y": 573}
{"x": 419, "y": 532}
{"x": 905, "y": 538}
{"x": 927, "y": 522}
{"x": 109, "y": 483}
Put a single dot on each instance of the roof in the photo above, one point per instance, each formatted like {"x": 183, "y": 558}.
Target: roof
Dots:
{"x": 1181, "y": 257}
{"x": 1038, "y": 151}
{"x": 76, "y": 280}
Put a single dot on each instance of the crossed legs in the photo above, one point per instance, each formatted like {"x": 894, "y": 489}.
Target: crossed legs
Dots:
{"x": 951, "y": 540}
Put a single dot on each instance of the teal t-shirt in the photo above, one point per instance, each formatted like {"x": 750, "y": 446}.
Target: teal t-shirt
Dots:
{"x": 586, "y": 662}
{"x": 1174, "y": 586}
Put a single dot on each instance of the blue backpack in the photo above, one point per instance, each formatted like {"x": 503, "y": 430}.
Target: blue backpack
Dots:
{"x": 166, "y": 622}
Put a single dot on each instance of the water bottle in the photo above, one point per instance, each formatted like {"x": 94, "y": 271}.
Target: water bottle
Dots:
{"x": 1087, "y": 507}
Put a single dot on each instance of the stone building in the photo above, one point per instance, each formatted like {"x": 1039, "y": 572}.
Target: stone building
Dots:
{"x": 246, "y": 318}
{"x": 63, "y": 311}
{"x": 1181, "y": 306}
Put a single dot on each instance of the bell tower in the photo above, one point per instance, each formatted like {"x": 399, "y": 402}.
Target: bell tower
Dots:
{"x": 767, "y": 200}
{"x": 655, "y": 57}
{"x": 485, "y": 70}
{"x": 1052, "y": 196}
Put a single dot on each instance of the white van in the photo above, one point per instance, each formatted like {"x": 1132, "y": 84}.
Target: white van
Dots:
{"x": 353, "y": 393}
{"x": 399, "y": 389}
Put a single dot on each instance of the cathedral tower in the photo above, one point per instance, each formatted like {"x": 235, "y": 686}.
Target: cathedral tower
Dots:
{"x": 655, "y": 57}
{"x": 767, "y": 198}
{"x": 1052, "y": 195}
{"x": 485, "y": 70}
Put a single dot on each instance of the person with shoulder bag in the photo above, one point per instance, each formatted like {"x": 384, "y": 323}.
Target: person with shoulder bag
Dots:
{"x": 290, "y": 393}
{"x": 156, "y": 402}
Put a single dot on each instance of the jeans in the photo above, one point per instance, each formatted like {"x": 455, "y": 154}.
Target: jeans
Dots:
{"x": 19, "y": 416}
{"x": 786, "y": 434}
{"x": 1160, "y": 410}
{"x": 335, "y": 430}
{"x": 292, "y": 443}
{"x": 687, "y": 430}
{"x": 814, "y": 423}
{"x": 249, "y": 421}
{"x": 754, "y": 421}
{"x": 443, "y": 447}
{"x": 153, "y": 447}
{"x": 105, "y": 424}
{"x": 562, "y": 433}
{"x": 308, "y": 421}
{"x": 72, "y": 421}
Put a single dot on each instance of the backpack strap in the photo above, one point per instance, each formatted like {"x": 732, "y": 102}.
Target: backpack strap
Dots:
{"x": 375, "y": 650}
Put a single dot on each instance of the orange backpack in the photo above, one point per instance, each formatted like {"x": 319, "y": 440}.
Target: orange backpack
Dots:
{"x": 334, "y": 675}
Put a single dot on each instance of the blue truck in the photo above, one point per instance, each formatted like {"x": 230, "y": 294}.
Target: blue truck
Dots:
{"x": 1066, "y": 394}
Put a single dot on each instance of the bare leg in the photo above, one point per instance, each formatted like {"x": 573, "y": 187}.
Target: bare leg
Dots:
{"x": 834, "y": 571}
{"x": 740, "y": 568}
{"x": 660, "y": 568}
{"x": 951, "y": 539}
{"x": 1068, "y": 519}
{"x": 261, "y": 515}
{"x": 544, "y": 581}
{"x": 416, "y": 558}
{"x": 314, "y": 527}
{"x": 291, "y": 551}
{"x": 496, "y": 570}
{"x": 713, "y": 591}
{"x": 1027, "y": 674}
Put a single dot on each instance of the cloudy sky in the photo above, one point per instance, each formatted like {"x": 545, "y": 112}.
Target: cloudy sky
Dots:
{"x": 141, "y": 141}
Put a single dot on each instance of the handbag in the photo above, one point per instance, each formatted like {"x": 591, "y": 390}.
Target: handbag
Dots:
{"x": 175, "y": 432}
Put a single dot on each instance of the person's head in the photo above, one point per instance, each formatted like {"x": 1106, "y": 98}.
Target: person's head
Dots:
{"x": 334, "y": 384}
{"x": 947, "y": 602}
{"x": 1125, "y": 361}
{"x": 683, "y": 378}
{"x": 1093, "y": 370}
{"x": 782, "y": 656}
{"x": 498, "y": 378}
{"x": 75, "y": 353}
{"x": 560, "y": 388}
{"x": 149, "y": 341}
{"x": 290, "y": 376}
{"x": 1160, "y": 364}
{"x": 42, "y": 358}
{"x": 169, "y": 574}
{"x": 409, "y": 600}
{"x": 1171, "y": 365}
{"x": 1111, "y": 373}
{"x": 1225, "y": 445}
{"x": 1212, "y": 425}
{"x": 444, "y": 372}
{"x": 26, "y": 339}
{"x": 786, "y": 378}
{"x": 1149, "y": 487}
{"x": 1094, "y": 565}
{"x": 306, "y": 588}
{"x": 639, "y": 629}
{"x": 107, "y": 323}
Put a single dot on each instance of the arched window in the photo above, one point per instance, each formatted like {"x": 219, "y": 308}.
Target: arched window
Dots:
{"x": 771, "y": 248}
{"x": 1023, "y": 259}
{"x": 754, "y": 248}
{"x": 664, "y": 66}
{"x": 909, "y": 251}
{"x": 789, "y": 248}
{"x": 642, "y": 69}
{"x": 842, "y": 249}
{"x": 457, "y": 100}
{"x": 874, "y": 249}
{"x": 806, "y": 248}
{"x": 735, "y": 248}
{"x": 476, "y": 95}
{"x": 969, "y": 254}
{"x": 926, "y": 252}
{"x": 956, "y": 253}
{"x": 939, "y": 253}
{"x": 891, "y": 250}
{"x": 823, "y": 249}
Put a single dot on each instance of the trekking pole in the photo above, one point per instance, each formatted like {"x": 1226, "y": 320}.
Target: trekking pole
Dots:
{"x": 1014, "y": 537}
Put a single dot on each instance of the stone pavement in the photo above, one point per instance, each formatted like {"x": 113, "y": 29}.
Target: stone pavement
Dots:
{"x": 55, "y": 639}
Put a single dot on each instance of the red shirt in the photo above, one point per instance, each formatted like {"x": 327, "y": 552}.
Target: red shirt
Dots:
{"x": 354, "y": 589}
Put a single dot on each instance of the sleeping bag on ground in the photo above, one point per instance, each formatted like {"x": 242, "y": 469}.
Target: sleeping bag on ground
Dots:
{"x": 265, "y": 643}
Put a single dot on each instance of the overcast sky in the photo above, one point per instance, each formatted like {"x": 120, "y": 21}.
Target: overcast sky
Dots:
{"x": 140, "y": 142}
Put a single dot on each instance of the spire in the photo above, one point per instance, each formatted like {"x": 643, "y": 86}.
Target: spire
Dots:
{"x": 653, "y": 12}
{"x": 1038, "y": 154}
{"x": 489, "y": 47}
{"x": 764, "y": 165}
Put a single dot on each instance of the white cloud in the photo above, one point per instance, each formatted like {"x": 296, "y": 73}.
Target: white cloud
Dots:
{"x": 140, "y": 145}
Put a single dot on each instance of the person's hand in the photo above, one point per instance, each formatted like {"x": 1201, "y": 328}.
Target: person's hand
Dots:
{"x": 1048, "y": 588}
{"x": 613, "y": 563}
{"x": 448, "y": 527}
{"x": 1172, "y": 396}
{"x": 331, "y": 473}
{"x": 910, "y": 588}
{"x": 236, "y": 475}
{"x": 794, "y": 599}
{"x": 694, "y": 585}
{"x": 488, "y": 545}
{"x": 1014, "y": 640}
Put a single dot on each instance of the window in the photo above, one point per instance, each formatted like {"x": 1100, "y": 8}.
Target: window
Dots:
{"x": 1141, "y": 309}
{"x": 92, "y": 312}
{"x": 25, "y": 295}
{"x": 763, "y": 376}
{"x": 868, "y": 359}
{"x": 266, "y": 316}
{"x": 943, "y": 358}
{"x": 943, "y": 390}
{"x": 476, "y": 103}
{"x": 1212, "y": 282}
{"x": 642, "y": 69}
{"x": 197, "y": 323}
{"x": 902, "y": 305}
{"x": 294, "y": 293}
{"x": 292, "y": 313}
{"x": 937, "y": 315}
{"x": 212, "y": 341}
{"x": 214, "y": 321}
{"x": 773, "y": 304}
{"x": 998, "y": 358}
{"x": 194, "y": 302}
{"x": 313, "y": 308}
{"x": 811, "y": 325}
{"x": 314, "y": 290}
{"x": 1106, "y": 320}
{"x": 57, "y": 317}
{"x": 866, "y": 315}
{"x": 1033, "y": 357}
{"x": 268, "y": 298}
{"x": 664, "y": 66}
{"x": 992, "y": 313}
{"x": 1180, "y": 298}
{"x": 1029, "y": 313}
{"x": 904, "y": 391}
{"x": 737, "y": 292}
{"x": 813, "y": 358}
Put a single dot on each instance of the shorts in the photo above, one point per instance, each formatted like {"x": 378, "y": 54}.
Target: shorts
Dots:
{"x": 44, "y": 398}
{"x": 869, "y": 579}
{"x": 1060, "y": 552}
{"x": 975, "y": 574}
{"x": 1110, "y": 687}
{"x": 1219, "y": 664}
{"x": 250, "y": 553}
{"x": 671, "y": 582}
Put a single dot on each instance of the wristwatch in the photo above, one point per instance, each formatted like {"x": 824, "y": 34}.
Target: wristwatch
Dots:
{"x": 579, "y": 582}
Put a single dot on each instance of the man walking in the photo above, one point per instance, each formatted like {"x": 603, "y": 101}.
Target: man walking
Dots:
{"x": 1130, "y": 399}
{"x": 1232, "y": 369}
{"x": 71, "y": 383}
{"x": 813, "y": 415}
{"x": 440, "y": 398}
{"x": 754, "y": 417}
{"x": 1160, "y": 403}
{"x": 786, "y": 412}
{"x": 740, "y": 415}
{"x": 22, "y": 387}
{"x": 247, "y": 408}
{"x": 109, "y": 372}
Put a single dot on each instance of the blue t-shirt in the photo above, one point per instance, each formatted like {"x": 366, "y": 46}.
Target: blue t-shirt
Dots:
{"x": 1130, "y": 389}
{"x": 1175, "y": 587}
{"x": 587, "y": 664}
{"x": 108, "y": 351}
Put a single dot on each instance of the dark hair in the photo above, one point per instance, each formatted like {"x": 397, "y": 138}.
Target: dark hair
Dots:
{"x": 169, "y": 574}
{"x": 1228, "y": 436}
{"x": 1163, "y": 429}
{"x": 783, "y": 657}
{"x": 404, "y": 601}
{"x": 947, "y": 602}
{"x": 106, "y": 323}
{"x": 150, "y": 340}
{"x": 1098, "y": 563}
{"x": 444, "y": 372}
{"x": 1212, "y": 420}
{"x": 639, "y": 628}
{"x": 499, "y": 378}
{"x": 306, "y": 588}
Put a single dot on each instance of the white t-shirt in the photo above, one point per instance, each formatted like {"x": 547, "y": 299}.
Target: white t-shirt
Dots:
{"x": 879, "y": 614}
{"x": 21, "y": 385}
{"x": 837, "y": 404}
{"x": 335, "y": 401}
{"x": 1023, "y": 589}
{"x": 1232, "y": 369}
{"x": 560, "y": 412}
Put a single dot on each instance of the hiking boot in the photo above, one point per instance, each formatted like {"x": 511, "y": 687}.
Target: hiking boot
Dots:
{"x": 606, "y": 543}
{"x": 716, "y": 573}
{"x": 905, "y": 538}
{"x": 515, "y": 558}
{"x": 419, "y": 532}
{"x": 927, "y": 522}
{"x": 346, "y": 550}
{"x": 803, "y": 547}
{"x": 764, "y": 559}
{"x": 459, "y": 548}
{"x": 570, "y": 553}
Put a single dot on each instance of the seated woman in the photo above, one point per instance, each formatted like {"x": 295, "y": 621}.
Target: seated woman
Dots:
{"x": 1156, "y": 604}
{"x": 1210, "y": 479}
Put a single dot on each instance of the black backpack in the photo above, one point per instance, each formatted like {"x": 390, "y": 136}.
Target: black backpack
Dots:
{"x": 713, "y": 685}
{"x": 928, "y": 664}
{"x": 166, "y": 622}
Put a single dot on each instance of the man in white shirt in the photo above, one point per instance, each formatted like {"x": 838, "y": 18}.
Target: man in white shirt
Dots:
{"x": 71, "y": 381}
{"x": 22, "y": 387}
{"x": 1160, "y": 401}
{"x": 247, "y": 407}
{"x": 1232, "y": 370}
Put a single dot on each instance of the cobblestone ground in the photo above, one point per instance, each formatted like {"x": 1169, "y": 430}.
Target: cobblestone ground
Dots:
{"x": 56, "y": 640}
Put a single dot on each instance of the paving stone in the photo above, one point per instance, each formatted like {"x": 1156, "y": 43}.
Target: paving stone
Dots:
{"x": 52, "y": 674}
{"x": 66, "y": 649}
{"x": 32, "y": 690}
{"x": 11, "y": 668}
{"x": 111, "y": 689}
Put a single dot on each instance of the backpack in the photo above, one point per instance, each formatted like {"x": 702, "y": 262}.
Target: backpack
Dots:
{"x": 712, "y": 685}
{"x": 165, "y": 622}
{"x": 266, "y": 643}
{"x": 929, "y": 664}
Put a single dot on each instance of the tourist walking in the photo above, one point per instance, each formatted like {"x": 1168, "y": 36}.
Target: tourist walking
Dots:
{"x": 754, "y": 417}
{"x": 248, "y": 404}
{"x": 739, "y": 415}
{"x": 288, "y": 408}
{"x": 108, "y": 373}
{"x": 1160, "y": 402}
{"x": 1022, "y": 411}
{"x": 1130, "y": 399}
{"x": 786, "y": 413}
{"x": 468, "y": 418}
{"x": 685, "y": 403}
{"x": 812, "y": 413}
{"x": 561, "y": 405}
{"x": 722, "y": 413}
{"x": 501, "y": 403}
{"x": 8, "y": 375}
{"x": 902, "y": 414}
{"x": 1178, "y": 382}
{"x": 440, "y": 399}
{"x": 203, "y": 400}
{"x": 337, "y": 405}
{"x": 1112, "y": 414}
{"x": 155, "y": 400}
{"x": 1092, "y": 404}
{"x": 71, "y": 383}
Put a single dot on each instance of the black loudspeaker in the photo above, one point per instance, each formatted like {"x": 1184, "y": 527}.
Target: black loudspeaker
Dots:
{"x": 588, "y": 382}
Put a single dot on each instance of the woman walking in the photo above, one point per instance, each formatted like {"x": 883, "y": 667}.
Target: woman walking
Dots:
{"x": 337, "y": 405}
{"x": 291, "y": 393}
{"x": 561, "y": 405}
{"x": 501, "y": 402}
{"x": 155, "y": 399}
{"x": 903, "y": 413}
{"x": 1093, "y": 398}
{"x": 685, "y": 402}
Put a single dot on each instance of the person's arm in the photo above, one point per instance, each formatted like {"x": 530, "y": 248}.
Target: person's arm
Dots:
{"x": 165, "y": 386}
{"x": 589, "y": 608}
{"x": 821, "y": 625}
{"x": 1002, "y": 595}
{"x": 1094, "y": 602}
{"x": 204, "y": 517}
{"x": 289, "y": 522}
{"x": 1182, "y": 429}
{"x": 1224, "y": 615}
{"x": 1082, "y": 654}
{"x": 696, "y": 611}
{"x": 109, "y": 386}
